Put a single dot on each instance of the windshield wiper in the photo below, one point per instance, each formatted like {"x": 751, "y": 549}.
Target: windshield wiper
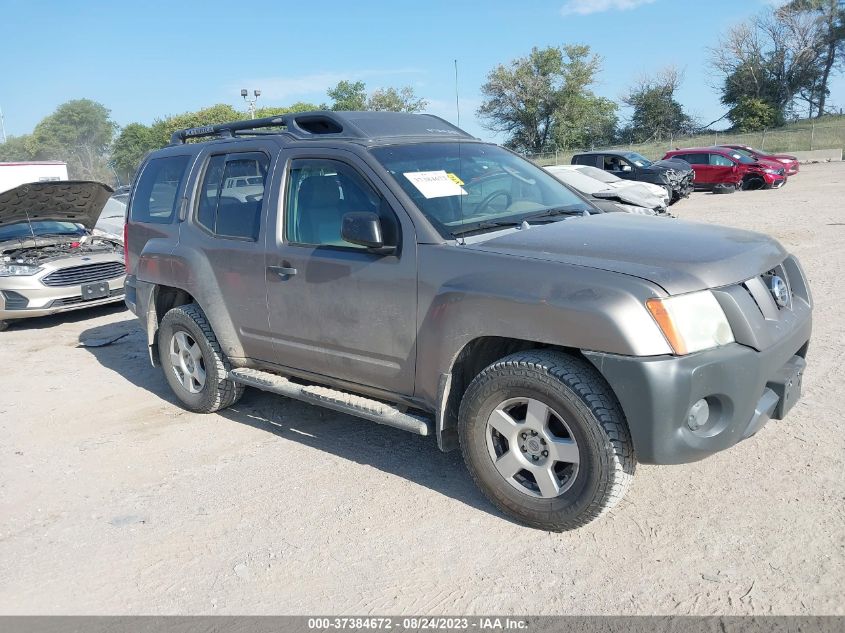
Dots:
{"x": 568, "y": 210}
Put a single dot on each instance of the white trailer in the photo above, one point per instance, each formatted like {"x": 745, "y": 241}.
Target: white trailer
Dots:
{"x": 14, "y": 174}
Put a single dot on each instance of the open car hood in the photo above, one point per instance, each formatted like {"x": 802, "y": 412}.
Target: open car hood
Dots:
{"x": 78, "y": 201}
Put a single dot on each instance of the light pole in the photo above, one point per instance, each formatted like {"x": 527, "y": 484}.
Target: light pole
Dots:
{"x": 250, "y": 102}
{"x": 2, "y": 126}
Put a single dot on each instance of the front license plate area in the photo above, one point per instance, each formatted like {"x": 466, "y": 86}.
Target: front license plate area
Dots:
{"x": 96, "y": 290}
{"x": 787, "y": 385}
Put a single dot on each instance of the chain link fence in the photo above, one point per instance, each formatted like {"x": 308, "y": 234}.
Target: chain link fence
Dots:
{"x": 800, "y": 137}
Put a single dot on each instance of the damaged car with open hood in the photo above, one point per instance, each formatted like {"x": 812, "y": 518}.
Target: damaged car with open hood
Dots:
{"x": 51, "y": 257}
{"x": 674, "y": 175}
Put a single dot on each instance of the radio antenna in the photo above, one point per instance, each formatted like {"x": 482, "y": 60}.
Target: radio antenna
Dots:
{"x": 457, "y": 102}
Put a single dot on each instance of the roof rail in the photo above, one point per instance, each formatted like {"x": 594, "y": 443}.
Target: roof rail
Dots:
{"x": 226, "y": 129}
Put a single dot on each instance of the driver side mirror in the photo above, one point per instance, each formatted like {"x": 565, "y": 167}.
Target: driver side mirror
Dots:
{"x": 364, "y": 229}
{"x": 627, "y": 168}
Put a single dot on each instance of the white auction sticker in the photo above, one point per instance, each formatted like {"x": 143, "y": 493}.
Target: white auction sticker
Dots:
{"x": 435, "y": 184}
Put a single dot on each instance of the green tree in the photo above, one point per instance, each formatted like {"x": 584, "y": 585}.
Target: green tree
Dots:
{"x": 392, "y": 100}
{"x": 751, "y": 114}
{"x": 16, "y": 148}
{"x": 130, "y": 147}
{"x": 543, "y": 101}
{"x": 79, "y": 132}
{"x": 348, "y": 95}
{"x": 268, "y": 111}
{"x": 657, "y": 115}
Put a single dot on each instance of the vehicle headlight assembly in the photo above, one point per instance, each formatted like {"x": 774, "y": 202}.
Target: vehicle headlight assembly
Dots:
{"x": 17, "y": 270}
{"x": 770, "y": 171}
{"x": 691, "y": 322}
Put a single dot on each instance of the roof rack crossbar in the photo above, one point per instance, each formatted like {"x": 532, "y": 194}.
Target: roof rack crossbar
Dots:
{"x": 228, "y": 129}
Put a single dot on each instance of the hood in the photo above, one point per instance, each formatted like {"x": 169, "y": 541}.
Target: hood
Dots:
{"x": 678, "y": 256}
{"x": 783, "y": 156}
{"x": 676, "y": 164}
{"x": 639, "y": 196}
{"x": 77, "y": 201}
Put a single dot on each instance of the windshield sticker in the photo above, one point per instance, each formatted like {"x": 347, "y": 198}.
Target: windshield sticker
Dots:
{"x": 435, "y": 184}
{"x": 455, "y": 179}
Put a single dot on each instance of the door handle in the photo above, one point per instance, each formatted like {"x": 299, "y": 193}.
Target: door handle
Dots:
{"x": 283, "y": 271}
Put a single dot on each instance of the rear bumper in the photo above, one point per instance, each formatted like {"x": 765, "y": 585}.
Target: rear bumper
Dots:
{"x": 743, "y": 387}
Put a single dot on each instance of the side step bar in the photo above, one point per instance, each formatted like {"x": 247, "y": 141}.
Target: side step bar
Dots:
{"x": 342, "y": 401}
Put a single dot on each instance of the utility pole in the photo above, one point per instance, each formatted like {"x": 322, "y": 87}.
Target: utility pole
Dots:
{"x": 2, "y": 126}
{"x": 250, "y": 102}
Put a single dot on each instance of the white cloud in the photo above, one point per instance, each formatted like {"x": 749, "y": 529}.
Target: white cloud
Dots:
{"x": 287, "y": 88}
{"x": 585, "y": 7}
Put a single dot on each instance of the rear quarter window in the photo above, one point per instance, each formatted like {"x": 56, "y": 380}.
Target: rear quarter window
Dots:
{"x": 156, "y": 193}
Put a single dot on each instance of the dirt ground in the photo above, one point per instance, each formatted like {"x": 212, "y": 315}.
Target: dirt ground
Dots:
{"x": 114, "y": 500}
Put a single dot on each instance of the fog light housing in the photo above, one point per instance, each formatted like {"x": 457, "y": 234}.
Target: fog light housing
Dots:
{"x": 698, "y": 415}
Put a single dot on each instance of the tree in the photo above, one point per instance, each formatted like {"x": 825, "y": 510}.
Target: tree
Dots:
{"x": 16, "y": 148}
{"x": 348, "y": 96}
{"x": 130, "y": 147}
{"x": 657, "y": 114}
{"x": 79, "y": 132}
{"x": 392, "y": 100}
{"x": 829, "y": 16}
{"x": 774, "y": 57}
{"x": 751, "y": 114}
{"x": 542, "y": 101}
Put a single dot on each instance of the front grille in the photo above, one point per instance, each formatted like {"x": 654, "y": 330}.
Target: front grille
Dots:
{"x": 14, "y": 301}
{"x": 77, "y": 275}
{"x": 72, "y": 301}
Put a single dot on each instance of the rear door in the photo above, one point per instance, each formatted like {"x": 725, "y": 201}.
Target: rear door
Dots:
{"x": 337, "y": 309}
{"x": 700, "y": 163}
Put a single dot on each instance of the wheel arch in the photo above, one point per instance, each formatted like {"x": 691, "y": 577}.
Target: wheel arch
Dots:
{"x": 470, "y": 360}
{"x": 163, "y": 298}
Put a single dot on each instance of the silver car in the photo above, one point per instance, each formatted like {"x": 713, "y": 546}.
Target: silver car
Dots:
{"x": 51, "y": 260}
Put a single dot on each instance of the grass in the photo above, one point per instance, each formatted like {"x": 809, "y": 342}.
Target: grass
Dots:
{"x": 825, "y": 133}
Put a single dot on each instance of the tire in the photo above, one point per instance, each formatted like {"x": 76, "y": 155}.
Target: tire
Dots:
{"x": 723, "y": 188}
{"x": 583, "y": 416}
{"x": 4, "y": 325}
{"x": 186, "y": 329}
{"x": 753, "y": 183}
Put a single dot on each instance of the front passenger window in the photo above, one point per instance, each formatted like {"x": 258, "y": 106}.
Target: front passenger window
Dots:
{"x": 320, "y": 192}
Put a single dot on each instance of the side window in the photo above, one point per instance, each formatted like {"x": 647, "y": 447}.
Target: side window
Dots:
{"x": 320, "y": 192}
{"x": 154, "y": 200}
{"x": 231, "y": 193}
{"x": 696, "y": 159}
{"x": 616, "y": 164}
{"x": 721, "y": 161}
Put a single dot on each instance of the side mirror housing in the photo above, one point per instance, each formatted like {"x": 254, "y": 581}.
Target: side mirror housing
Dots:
{"x": 364, "y": 229}
{"x": 627, "y": 168}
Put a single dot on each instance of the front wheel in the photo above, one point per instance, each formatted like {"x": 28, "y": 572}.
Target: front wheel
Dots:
{"x": 545, "y": 439}
{"x": 195, "y": 367}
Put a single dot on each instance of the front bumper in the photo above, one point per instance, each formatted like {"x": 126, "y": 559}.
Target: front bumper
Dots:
{"x": 744, "y": 387}
{"x": 23, "y": 303}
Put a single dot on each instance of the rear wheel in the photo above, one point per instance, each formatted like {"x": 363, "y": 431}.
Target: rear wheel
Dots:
{"x": 194, "y": 366}
{"x": 544, "y": 438}
{"x": 4, "y": 325}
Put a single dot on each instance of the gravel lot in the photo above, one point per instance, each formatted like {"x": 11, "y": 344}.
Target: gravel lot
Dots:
{"x": 114, "y": 500}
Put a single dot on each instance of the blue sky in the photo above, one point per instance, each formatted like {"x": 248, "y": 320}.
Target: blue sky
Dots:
{"x": 152, "y": 58}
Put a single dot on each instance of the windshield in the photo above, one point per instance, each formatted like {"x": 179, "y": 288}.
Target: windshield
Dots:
{"x": 742, "y": 156}
{"x": 463, "y": 187}
{"x": 638, "y": 159}
{"x": 43, "y": 227}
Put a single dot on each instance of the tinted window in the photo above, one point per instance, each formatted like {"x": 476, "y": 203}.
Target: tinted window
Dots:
{"x": 319, "y": 193}
{"x": 696, "y": 159}
{"x": 616, "y": 164}
{"x": 721, "y": 161}
{"x": 155, "y": 194}
{"x": 231, "y": 194}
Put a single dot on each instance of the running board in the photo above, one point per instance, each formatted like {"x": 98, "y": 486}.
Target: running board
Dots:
{"x": 341, "y": 401}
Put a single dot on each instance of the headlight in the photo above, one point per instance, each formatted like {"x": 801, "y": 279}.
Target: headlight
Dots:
{"x": 691, "y": 322}
{"x": 770, "y": 171}
{"x": 785, "y": 160}
{"x": 17, "y": 270}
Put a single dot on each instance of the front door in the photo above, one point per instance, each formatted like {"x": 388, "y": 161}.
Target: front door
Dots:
{"x": 337, "y": 309}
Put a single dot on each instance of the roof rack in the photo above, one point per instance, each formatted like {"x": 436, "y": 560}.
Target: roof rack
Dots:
{"x": 299, "y": 123}
{"x": 309, "y": 125}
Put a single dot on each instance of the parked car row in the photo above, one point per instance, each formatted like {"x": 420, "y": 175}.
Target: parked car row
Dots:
{"x": 600, "y": 175}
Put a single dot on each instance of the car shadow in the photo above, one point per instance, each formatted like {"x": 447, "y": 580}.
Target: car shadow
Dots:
{"x": 390, "y": 450}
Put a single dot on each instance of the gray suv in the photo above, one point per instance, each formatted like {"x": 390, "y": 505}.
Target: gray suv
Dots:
{"x": 392, "y": 267}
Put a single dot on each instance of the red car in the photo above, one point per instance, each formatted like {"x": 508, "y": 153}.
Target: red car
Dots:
{"x": 723, "y": 166}
{"x": 790, "y": 163}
